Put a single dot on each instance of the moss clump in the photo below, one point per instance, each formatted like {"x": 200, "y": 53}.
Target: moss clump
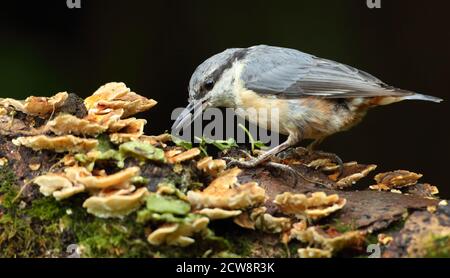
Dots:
{"x": 107, "y": 237}
{"x": 8, "y": 187}
{"x": 22, "y": 234}
{"x": 45, "y": 209}
{"x": 23, "y": 237}
{"x": 341, "y": 227}
{"x": 47, "y": 228}
{"x": 437, "y": 246}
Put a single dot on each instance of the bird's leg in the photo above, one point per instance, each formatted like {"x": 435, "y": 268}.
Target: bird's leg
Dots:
{"x": 311, "y": 149}
{"x": 253, "y": 162}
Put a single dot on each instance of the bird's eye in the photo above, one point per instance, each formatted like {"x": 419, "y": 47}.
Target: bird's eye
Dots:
{"x": 208, "y": 85}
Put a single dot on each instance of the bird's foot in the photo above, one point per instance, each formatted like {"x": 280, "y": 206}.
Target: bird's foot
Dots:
{"x": 251, "y": 161}
{"x": 282, "y": 169}
{"x": 285, "y": 169}
{"x": 296, "y": 174}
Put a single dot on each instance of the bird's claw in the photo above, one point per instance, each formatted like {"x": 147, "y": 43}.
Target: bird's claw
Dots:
{"x": 286, "y": 169}
{"x": 233, "y": 162}
{"x": 249, "y": 163}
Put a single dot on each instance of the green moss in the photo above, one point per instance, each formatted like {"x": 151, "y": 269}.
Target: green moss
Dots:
{"x": 395, "y": 227}
{"x": 292, "y": 248}
{"x": 27, "y": 232}
{"x": 8, "y": 187}
{"x": 437, "y": 247}
{"x": 47, "y": 228}
{"x": 111, "y": 238}
{"x": 371, "y": 239}
{"x": 342, "y": 227}
{"x": 21, "y": 236}
{"x": 46, "y": 208}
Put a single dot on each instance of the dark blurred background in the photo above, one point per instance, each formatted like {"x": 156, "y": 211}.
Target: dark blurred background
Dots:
{"x": 154, "y": 46}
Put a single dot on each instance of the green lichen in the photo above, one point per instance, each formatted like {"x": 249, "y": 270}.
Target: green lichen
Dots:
{"x": 106, "y": 152}
{"x": 142, "y": 150}
{"x": 171, "y": 189}
{"x": 104, "y": 143}
{"x": 203, "y": 142}
{"x": 164, "y": 204}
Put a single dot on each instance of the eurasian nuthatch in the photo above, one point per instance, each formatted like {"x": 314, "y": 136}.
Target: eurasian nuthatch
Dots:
{"x": 315, "y": 97}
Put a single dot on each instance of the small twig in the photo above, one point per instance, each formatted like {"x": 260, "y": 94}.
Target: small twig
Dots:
{"x": 22, "y": 189}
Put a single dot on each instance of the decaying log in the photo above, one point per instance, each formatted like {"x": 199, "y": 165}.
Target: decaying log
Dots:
{"x": 369, "y": 212}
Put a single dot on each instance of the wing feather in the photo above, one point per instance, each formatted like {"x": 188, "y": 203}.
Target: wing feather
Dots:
{"x": 291, "y": 74}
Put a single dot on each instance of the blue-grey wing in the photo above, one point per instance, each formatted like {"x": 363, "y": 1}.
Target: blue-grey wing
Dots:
{"x": 291, "y": 74}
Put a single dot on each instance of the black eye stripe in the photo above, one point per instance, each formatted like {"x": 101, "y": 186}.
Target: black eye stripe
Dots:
{"x": 238, "y": 55}
{"x": 215, "y": 75}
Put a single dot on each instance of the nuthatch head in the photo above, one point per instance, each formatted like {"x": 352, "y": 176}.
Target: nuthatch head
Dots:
{"x": 314, "y": 97}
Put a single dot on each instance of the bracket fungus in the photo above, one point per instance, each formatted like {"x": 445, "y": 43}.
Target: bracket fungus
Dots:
{"x": 176, "y": 156}
{"x": 104, "y": 118}
{"x": 315, "y": 206}
{"x": 69, "y": 124}
{"x": 218, "y": 213}
{"x": 352, "y": 173}
{"x": 211, "y": 166}
{"x": 58, "y": 186}
{"x": 395, "y": 180}
{"x": 313, "y": 253}
{"x": 37, "y": 106}
{"x": 116, "y": 96}
{"x": 258, "y": 219}
{"x": 225, "y": 192}
{"x": 318, "y": 238}
{"x": 66, "y": 143}
{"x": 178, "y": 234}
{"x": 121, "y": 179}
{"x": 126, "y": 130}
{"x": 115, "y": 205}
{"x": 156, "y": 140}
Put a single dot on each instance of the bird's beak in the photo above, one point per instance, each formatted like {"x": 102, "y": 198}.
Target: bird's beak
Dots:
{"x": 187, "y": 117}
